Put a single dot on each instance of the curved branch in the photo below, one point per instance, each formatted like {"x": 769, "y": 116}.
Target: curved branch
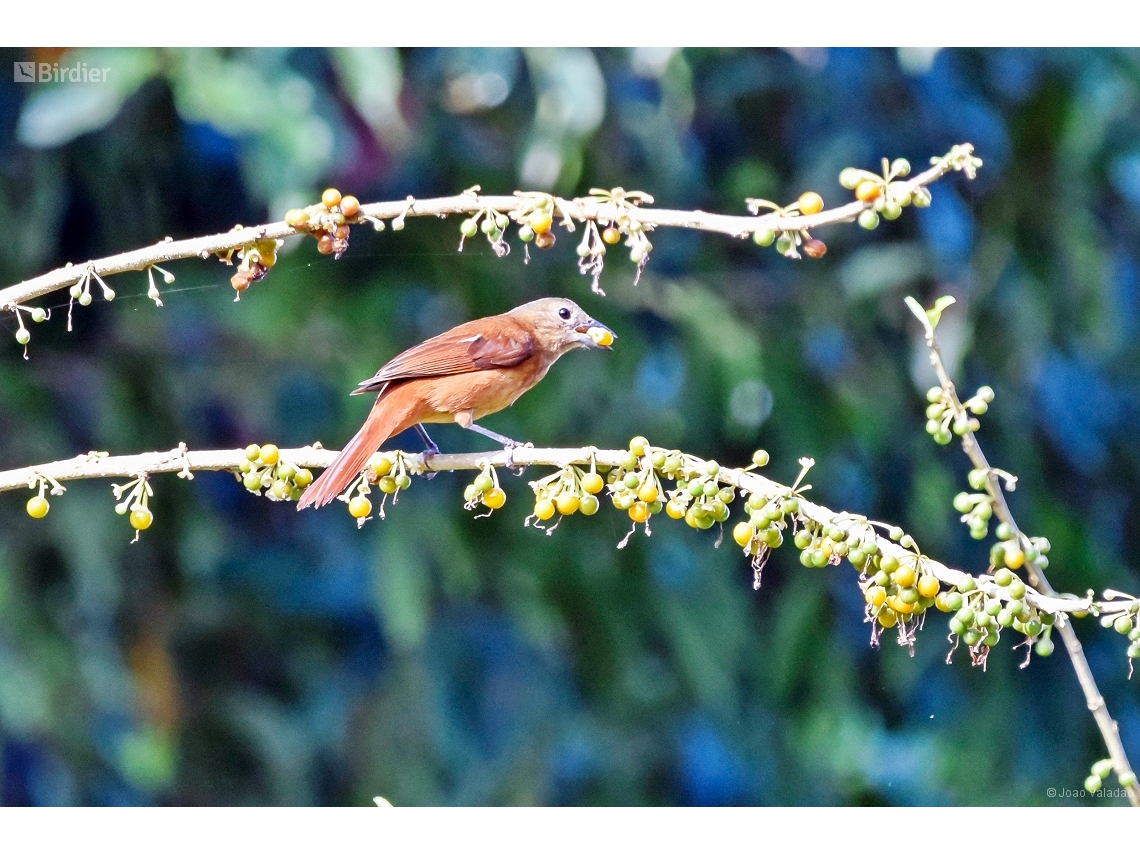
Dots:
{"x": 585, "y": 209}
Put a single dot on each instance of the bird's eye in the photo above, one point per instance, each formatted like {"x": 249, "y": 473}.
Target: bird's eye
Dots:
{"x": 564, "y": 313}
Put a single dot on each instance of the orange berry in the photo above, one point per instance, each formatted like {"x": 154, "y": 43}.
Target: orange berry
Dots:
{"x": 330, "y": 198}
{"x": 350, "y": 206}
{"x": 868, "y": 191}
{"x": 639, "y": 512}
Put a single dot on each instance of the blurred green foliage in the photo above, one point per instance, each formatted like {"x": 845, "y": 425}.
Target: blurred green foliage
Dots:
{"x": 242, "y": 653}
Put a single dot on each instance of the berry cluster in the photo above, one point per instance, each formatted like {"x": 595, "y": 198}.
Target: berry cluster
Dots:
{"x": 1127, "y": 624}
{"x": 485, "y": 490}
{"x": 980, "y": 616}
{"x": 494, "y": 225}
{"x": 567, "y": 492}
{"x": 134, "y": 497}
{"x": 38, "y": 506}
{"x": 882, "y": 195}
{"x": 786, "y": 244}
{"x": 37, "y": 315}
{"x": 328, "y": 221}
{"x": 1100, "y": 770}
{"x": 945, "y": 418}
{"x": 263, "y": 469}
{"x": 256, "y": 259}
{"x": 389, "y": 473}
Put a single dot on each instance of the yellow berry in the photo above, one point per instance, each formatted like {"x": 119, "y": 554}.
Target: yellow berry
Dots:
{"x": 567, "y": 503}
{"x": 359, "y": 506}
{"x": 544, "y": 509}
{"x": 601, "y": 337}
{"x": 810, "y": 203}
{"x": 648, "y": 492}
{"x": 330, "y": 198}
{"x": 540, "y": 221}
{"x": 37, "y": 507}
{"x": 295, "y": 218}
{"x": 928, "y": 586}
{"x": 381, "y": 467}
{"x": 141, "y": 518}
{"x": 638, "y": 445}
{"x": 495, "y": 498}
{"x": 742, "y": 533}
{"x": 904, "y": 577}
{"x": 269, "y": 454}
{"x": 674, "y": 510}
{"x": 592, "y": 482}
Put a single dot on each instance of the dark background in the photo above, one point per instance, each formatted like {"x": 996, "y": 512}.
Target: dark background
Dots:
{"x": 241, "y": 653}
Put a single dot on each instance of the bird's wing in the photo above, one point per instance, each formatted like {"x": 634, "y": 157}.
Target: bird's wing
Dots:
{"x": 469, "y": 347}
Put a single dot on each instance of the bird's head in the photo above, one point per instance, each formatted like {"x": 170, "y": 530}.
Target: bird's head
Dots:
{"x": 561, "y": 325}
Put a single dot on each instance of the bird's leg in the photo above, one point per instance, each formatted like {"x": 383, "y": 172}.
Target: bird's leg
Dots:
{"x": 430, "y": 448}
{"x": 465, "y": 421}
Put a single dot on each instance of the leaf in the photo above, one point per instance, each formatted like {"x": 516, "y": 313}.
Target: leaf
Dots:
{"x": 930, "y": 317}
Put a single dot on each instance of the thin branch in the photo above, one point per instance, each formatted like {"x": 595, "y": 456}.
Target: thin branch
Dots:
{"x": 184, "y": 462}
{"x": 1104, "y": 721}
{"x": 589, "y": 208}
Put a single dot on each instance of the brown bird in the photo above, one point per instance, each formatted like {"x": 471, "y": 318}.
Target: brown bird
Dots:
{"x": 468, "y": 372}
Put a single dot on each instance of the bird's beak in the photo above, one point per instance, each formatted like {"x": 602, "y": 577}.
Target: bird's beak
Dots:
{"x": 598, "y": 335}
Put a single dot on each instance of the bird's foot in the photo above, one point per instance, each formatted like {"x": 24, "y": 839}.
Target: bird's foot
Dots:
{"x": 429, "y": 453}
{"x": 510, "y": 449}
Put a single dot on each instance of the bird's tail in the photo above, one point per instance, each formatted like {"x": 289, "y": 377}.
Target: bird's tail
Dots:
{"x": 390, "y": 415}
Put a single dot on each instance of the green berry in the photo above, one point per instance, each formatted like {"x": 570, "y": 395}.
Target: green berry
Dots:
{"x": 23, "y": 336}
{"x": 469, "y": 227}
{"x": 868, "y": 219}
{"x": 763, "y": 237}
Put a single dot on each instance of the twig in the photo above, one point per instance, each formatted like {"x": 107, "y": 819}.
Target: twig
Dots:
{"x": 1104, "y": 721}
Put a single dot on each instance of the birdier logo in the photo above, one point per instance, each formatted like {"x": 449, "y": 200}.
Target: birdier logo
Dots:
{"x": 53, "y": 72}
